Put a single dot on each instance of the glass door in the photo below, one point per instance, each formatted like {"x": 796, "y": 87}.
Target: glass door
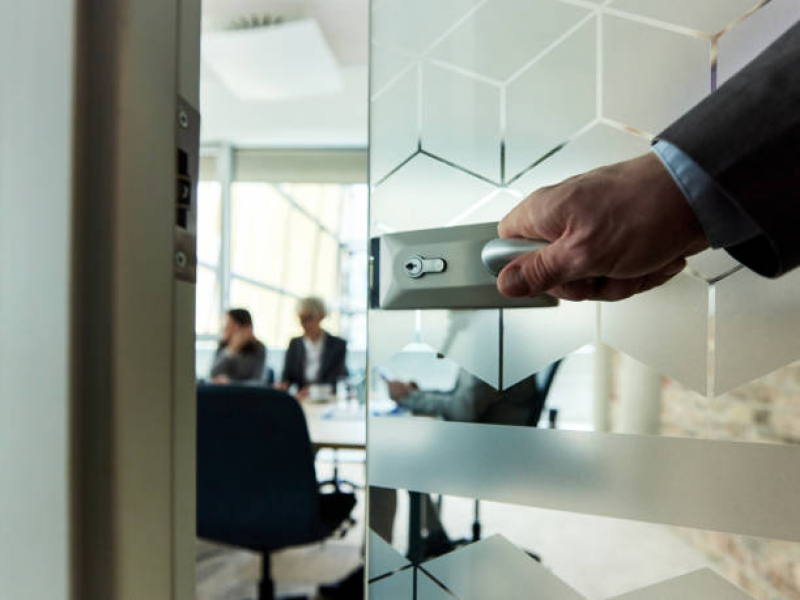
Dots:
{"x": 639, "y": 449}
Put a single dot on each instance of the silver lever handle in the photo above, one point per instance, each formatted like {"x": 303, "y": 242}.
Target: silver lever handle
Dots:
{"x": 497, "y": 253}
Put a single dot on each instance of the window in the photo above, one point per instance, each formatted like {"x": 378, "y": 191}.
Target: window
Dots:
{"x": 273, "y": 241}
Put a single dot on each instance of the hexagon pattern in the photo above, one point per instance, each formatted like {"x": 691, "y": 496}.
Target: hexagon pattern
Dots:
{"x": 496, "y": 568}
{"x": 461, "y": 120}
{"x": 651, "y": 76}
{"x": 665, "y": 328}
{"x": 471, "y": 338}
{"x": 552, "y": 99}
{"x": 477, "y": 103}
{"x": 425, "y": 193}
{"x": 502, "y": 36}
{"x": 708, "y": 16}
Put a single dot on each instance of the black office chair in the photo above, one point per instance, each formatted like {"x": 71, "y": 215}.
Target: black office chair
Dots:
{"x": 256, "y": 485}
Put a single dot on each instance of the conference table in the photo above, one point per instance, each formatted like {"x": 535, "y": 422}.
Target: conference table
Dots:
{"x": 334, "y": 426}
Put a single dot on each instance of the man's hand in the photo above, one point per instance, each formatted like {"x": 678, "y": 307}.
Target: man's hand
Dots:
{"x": 614, "y": 232}
{"x": 399, "y": 390}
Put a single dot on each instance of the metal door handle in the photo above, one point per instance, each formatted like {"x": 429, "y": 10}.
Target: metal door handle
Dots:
{"x": 497, "y": 253}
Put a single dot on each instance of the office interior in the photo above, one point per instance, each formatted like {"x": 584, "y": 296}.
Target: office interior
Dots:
{"x": 631, "y": 450}
{"x": 283, "y": 214}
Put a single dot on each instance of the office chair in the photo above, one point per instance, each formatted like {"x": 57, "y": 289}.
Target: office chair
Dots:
{"x": 256, "y": 484}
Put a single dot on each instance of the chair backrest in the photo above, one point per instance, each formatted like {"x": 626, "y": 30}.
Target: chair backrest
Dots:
{"x": 256, "y": 485}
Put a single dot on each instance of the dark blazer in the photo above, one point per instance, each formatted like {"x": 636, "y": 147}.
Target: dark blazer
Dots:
{"x": 333, "y": 361}
{"x": 746, "y": 135}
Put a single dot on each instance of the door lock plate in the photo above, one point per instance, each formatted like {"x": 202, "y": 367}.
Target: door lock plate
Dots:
{"x": 444, "y": 268}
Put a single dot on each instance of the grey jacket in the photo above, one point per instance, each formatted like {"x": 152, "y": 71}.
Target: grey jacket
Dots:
{"x": 247, "y": 365}
{"x": 473, "y": 400}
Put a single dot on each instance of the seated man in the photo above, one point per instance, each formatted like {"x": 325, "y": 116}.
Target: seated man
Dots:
{"x": 240, "y": 356}
{"x": 316, "y": 356}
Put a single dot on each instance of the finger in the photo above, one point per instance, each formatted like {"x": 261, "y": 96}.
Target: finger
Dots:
{"x": 521, "y": 220}
{"x": 536, "y": 272}
{"x": 611, "y": 290}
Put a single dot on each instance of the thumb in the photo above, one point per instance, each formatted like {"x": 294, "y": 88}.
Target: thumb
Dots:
{"x": 536, "y": 272}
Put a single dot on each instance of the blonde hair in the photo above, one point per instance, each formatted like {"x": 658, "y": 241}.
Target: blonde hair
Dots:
{"x": 312, "y": 305}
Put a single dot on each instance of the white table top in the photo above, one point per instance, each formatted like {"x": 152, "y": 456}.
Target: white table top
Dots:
{"x": 332, "y": 426}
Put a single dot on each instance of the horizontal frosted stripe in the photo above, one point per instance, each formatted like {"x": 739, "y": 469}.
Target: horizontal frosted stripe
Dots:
{"x": 383, "y": 559}
{"x": 496, "y": 568}
{"x": 698, "y": 585}
{"x": 744, "y": 488}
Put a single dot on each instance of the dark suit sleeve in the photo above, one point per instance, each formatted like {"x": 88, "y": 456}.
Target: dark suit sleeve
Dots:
{"x": 746, "y": 136}
{"x": 334, "y": 362}
{"x": 289, "y": 360}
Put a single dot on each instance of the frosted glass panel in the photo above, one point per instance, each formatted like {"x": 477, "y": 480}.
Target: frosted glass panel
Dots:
{"x": 744, "y": 42}
{"x": 394, "y": 119}
{"x": 737, "y": 487}
{"x": 534, "y": 338}
{"x": 670, "y": 74}
{"x": 427, "y": 589}
{"x": 495, "y": 568}
{"x": 493, "y": 208}
{"x": 414, "y": 25}
{"x": 383, "y": 558}
{"x": 699, "y": 585}
{"x": 385, "y": 65}
{"x": 470, "y": 338}
{"x": 756, "y": 326}
{"x": 502, "y": 36}
{"x": 709, "y": 16}
{"x": 461, "y": 120}
{"x": 665, "y": 328}
{"x": 389, "y": 333}
{"x": 425, "y": 193}
{"x": 597, "y": 146}
{"x": 397, "y": 587}
{"x": 711, "y": 264}
{"x": 564, "y": 77}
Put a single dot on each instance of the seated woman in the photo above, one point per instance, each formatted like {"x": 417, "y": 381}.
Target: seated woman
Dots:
{"x": 240, "y": 356}
{"x": 316, "y": 356}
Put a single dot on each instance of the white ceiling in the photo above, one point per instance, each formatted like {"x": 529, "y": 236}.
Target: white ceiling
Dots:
{"x": 344, "y": 22}
{"x": 329, "y": 120}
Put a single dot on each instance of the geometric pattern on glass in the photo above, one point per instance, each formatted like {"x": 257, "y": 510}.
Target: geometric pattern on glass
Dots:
{"x": 651, "y": 76}
{"x": 552, "y": 99}
{"x": 597, "y": 146}
{"x": 666, "y": 328}
{"x": 744, "y": 42}
{"x": 533, "y": 338}
{"x": 703, "y": 584}
{"x": 413, "y": 25}
{"x": 395, "y": 125}
{"x": 502, "y": 36}
{"x": 496, "y": 568}
{"x": 383, "y": 559}
{"x": 707, "y": 16}
{"x": 461, "y": 120}
{"x": 491, "y": 209}
{"x": 428, "y": 589}
{"x": 470, "y": 338}
{"x": 399, "y": 586}
{"x": 757, "y": 327}
{"x": 385, "y": 64}
{"x": 425, "y": 193}
{"x": 389, "y": 332}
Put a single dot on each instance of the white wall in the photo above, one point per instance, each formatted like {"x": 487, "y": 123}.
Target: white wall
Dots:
{"x": 36, "y": 59}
